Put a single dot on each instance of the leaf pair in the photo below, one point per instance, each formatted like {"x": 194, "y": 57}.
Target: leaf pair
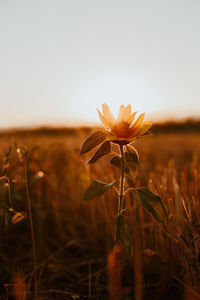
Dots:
{"x": 97, "y": 188}
{"x": 94, "y": 140}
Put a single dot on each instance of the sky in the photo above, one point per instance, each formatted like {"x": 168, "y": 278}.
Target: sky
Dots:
{"x": 61, "y": 59}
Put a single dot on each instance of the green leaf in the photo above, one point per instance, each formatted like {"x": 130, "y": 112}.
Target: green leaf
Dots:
{"x": 92, "y": 141}
{"x": 96, "y": 189}
{"x": 131, "y": 162}
{"x": 104, "y": 149}
{"x": 153, "y": 204}
{"x": 132, "y": 154}
{"x": 123, "y": 232}
{"x": 116, "y": 161}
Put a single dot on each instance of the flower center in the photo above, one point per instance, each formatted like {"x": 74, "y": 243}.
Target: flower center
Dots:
{"x": 122, "y": 129}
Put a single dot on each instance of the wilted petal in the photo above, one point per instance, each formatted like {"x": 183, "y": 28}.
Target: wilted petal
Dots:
{"x": 138, "y": 122}
{"x": 145, "y": 127}
{"x": 107, "y": 114}
{"x": 103, "y": 119}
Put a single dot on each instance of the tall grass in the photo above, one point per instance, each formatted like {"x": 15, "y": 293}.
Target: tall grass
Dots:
{"x": 74, "y": 239}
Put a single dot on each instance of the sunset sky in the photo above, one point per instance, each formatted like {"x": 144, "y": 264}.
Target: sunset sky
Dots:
{"x": 59, "y": 60}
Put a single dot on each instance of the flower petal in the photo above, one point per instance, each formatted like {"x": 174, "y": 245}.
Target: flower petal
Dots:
{"x": 127, "y": 113}
{"x": 107, "y": 114}
{"x": 121, "y": 113}
{"x": 145, "y": 127}
{"x": 138, "y": 122}
{"x": 103, "y": 119}
{"x": 131, "y": 117}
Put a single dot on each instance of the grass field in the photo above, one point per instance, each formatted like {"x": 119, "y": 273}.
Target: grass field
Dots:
{"x": 73, "y": 238}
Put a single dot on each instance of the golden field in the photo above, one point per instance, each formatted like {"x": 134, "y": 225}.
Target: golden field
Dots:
{"x": 74, "y": 238}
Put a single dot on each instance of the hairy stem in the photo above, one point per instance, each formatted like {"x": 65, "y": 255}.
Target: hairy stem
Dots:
{"x": 32, "y": 232}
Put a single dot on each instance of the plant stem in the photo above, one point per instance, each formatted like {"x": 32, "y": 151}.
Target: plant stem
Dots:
{"x": 32, "y": 230}
{"x": 121, "y": 187}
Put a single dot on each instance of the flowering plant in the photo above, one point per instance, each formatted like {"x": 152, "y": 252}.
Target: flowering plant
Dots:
{"x": 122, "y": 131}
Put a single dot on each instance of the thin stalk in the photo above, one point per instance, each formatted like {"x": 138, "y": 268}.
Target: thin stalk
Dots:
{"x": 121, "y": 187}
{"x": 32, "y": 232}
{"x": 9, "y": 191}
{"x": 9, "y": 195}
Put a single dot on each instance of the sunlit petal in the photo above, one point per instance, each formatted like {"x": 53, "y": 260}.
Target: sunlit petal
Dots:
{"x": 139, "y": 120}
{"x": 103, "y": 120}
{"x": 121, "y": 113}
{"x": 104, "y": 130}
{"x": 131, "y": 117}
{"x": 145, "y": 127}
{"x": 107, "y": 114}
{"x": 136, "y": 131}
{"x": 127, "y": 112}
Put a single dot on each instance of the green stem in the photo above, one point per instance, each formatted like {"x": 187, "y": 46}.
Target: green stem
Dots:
{"x": 121, "y": 188}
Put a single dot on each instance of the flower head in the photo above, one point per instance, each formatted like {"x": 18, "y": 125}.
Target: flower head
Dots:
{"x": 123, "y": 129}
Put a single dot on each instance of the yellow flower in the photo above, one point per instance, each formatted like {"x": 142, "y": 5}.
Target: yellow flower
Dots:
{"x": 123, "y": 128}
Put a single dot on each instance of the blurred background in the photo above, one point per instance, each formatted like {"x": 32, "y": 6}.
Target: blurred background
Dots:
{"x": 61, "y": 59}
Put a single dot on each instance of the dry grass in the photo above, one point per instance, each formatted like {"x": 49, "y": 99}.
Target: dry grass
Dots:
{"x": 73, "y": 238}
